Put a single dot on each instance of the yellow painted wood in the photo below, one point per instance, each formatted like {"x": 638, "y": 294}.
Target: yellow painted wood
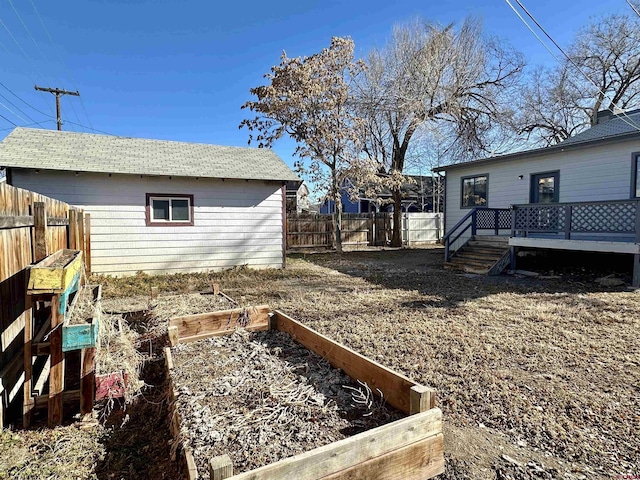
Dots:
{"x": 46, "y": 279}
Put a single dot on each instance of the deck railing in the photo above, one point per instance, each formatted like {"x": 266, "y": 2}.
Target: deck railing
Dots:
{"x": 480, "y": 218}
{"x": 616, "y": 217}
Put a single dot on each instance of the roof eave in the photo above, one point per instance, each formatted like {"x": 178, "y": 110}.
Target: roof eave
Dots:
{"x": 143, "y": 174}
{"x": 539, "y": 151}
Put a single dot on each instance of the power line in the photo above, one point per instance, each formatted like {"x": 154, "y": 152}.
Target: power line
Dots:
{"x": 16, "y": 107}
{"x": 27, "y": 125}
{"x": 22, "y": 50}
{"x": 24, "y": 101}
{"x": 61, "y": 61}
{"x": 24, "y": 25}
{"x": 2, "y": 116}
{"x": 89, "y": 128}
{"x": 9, "y": 110}
{"x": 623, "y": 116}
{"x": 633, "y": 7}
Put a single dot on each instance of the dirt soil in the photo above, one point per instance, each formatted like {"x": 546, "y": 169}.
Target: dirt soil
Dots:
{"x": 261, "y": 397}
{"x": 537, "y": 377}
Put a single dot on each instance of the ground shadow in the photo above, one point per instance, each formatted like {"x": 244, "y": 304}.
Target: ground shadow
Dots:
{"x": 137, "y": 435}
{"x": 422, "y": 270}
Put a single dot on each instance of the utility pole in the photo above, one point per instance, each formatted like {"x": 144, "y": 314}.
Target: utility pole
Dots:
{"x": 57, "y": 92}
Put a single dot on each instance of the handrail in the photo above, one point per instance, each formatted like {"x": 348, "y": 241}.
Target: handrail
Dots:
{"x": 621, "y": 218}
{"x": 472, "y": 215}
{"x": 447, "y": 237}
{"x": 560, "y": 204}
{"x": 457, "y": 225}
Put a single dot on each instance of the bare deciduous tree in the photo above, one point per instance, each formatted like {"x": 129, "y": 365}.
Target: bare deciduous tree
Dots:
{"x": 307, "y": 98}
{"x": 603, "y": 73}
{"x": 433, "y": 76}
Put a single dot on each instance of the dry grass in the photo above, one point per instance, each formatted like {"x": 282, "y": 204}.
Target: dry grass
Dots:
{"x": 64, "y": 453}
{"x": 549, "y": 367}
{"x": 545, "y": 371}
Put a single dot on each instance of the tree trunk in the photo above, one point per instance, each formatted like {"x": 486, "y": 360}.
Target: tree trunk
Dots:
{"x": 337, "y": 224}
{"x": 396, "y": 239}
{"x": 337, "y": 210}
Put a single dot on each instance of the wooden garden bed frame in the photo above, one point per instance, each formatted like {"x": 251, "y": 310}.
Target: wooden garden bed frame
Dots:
{"x": 408, "y": 449}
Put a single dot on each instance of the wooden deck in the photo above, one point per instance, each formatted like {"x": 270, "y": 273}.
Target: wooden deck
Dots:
{"x": 607, "y": 226}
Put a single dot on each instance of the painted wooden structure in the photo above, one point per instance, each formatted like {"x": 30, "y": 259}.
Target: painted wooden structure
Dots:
{"x": 57, "y": 280}
{"x": 83, "y": 335}
{"x": 581, "y": 194}
{"x": 32, "y": 227}
{"x": 408, "y": 448}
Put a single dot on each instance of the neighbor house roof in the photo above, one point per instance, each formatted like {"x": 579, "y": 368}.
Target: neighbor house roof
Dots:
{"x": 88, "y": 152}
{"x": 610, "y": 129}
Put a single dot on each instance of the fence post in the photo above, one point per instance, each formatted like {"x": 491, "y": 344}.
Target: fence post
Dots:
{"x": 513, "y": 220}
{"x": 407, "y": 229}
{"x": 87, "y": 243}
{"x": 447, "y": 253}
{"x": 568, "y": 209}
{"x": 81, "y": 240}
{"x": 72, "y": 230}
{"x": 474, "y": 215}
{"x": 39, "y": 231}
{"x": 496, "y": 220}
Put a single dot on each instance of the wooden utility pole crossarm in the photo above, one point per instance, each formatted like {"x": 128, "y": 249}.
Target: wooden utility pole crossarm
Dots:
{"x": 57, "y": 92}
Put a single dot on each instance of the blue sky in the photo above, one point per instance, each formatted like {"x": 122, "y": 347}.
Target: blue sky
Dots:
{"x": 180, "y": 70}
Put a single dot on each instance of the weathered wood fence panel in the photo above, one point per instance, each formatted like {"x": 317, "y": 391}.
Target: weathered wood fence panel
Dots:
{"x": 374, "y": 229}
{"x": 32, "y": 226}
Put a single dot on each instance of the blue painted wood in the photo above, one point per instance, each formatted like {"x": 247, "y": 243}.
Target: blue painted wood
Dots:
{"x": 76, "y": 337}
{"x": 64, "y": 296}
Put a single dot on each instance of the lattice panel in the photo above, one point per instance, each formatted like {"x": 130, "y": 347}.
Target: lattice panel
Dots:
{"x": 486, "y": 219}
{"x": 504, "y": 219}
{"x": 540, "y": 218}
{"x": 604, "y": 217}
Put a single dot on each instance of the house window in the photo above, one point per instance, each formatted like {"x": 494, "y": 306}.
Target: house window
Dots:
{"x": 174, "y": 210}
{"x": 545, "y": 187}
{"x": 474, "y": 191}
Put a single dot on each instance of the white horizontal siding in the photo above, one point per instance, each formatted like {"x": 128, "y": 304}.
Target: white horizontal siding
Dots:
{"x": 235, "y": 222}
{"x": 587, "y": 174}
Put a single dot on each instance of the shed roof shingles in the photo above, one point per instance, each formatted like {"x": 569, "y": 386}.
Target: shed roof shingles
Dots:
{"x": 87, "y": 152}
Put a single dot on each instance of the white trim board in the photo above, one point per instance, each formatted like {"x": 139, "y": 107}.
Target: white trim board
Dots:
{"x": 582, "y": 245}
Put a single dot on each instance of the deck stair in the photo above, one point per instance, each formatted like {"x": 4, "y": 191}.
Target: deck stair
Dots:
{"x": 482, "y": 254}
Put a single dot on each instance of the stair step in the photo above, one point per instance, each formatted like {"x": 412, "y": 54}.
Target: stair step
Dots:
{"x": 488, "y": 245}
{"x": 466, "y": 268}
{"x": 493, "y": 238}
{"x": 482, "y": 252}
{"x": 484, "y": 260}
{"x": 473, "y": 262}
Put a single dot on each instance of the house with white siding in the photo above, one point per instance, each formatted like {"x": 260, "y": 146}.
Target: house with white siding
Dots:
{"x": 159, "y": 206}
{"x": 581, "y": 194}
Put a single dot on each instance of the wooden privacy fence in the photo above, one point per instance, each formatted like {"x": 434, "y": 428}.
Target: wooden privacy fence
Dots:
{"x": 32, "y": 227}
{"x": 373, "y": 229}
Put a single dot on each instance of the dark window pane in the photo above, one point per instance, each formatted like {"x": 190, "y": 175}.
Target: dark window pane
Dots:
{"x": 546, "y": 190}
{"x": 160, "y": 209}
{"x": 474, "y": 191}
{"x": 180, "y": 210}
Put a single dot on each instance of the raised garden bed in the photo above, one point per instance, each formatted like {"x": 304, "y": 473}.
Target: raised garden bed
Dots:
{"x": 249, "y": 440}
